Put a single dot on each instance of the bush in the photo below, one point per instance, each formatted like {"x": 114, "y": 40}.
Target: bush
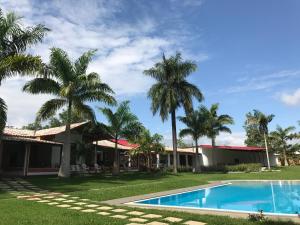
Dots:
{"x": 245, "y": 167}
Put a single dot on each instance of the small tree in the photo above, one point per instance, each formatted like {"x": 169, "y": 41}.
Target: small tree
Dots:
{"x": 262, "y": 121}
{"x": 121, "y": 124}
{"x": 195, "y": 123}
{"x": 149, "y": 145}
{"x": 280, "y": 138}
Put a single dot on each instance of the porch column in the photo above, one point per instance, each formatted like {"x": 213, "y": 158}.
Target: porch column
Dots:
{"x": 95, "y": 155}
{"x": 157, "y": 160}
{"x": 26, "y": 158}
{"x": 1, "y": 155}
{"x": 186, "y": 161}
{"x": 169, "y": 160}
{"x": 129, "y": 161}
{"x": 178, "y": 160}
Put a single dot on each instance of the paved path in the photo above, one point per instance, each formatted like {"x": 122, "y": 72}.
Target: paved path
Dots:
{"x": 24, "y": 190}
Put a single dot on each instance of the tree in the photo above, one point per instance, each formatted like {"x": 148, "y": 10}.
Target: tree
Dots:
{"x": 182, "y": 143}
{"x": 149, "y": 145}
{"x": 195, "y": 123}
{"x": 253, "y": 136}
{"x": 172, "y": 90}
{"x": 14, "y": 40}
{"x": 280, "y": 138}
{"x": 262, "y": 121}
{"x": 121, "y": 124}
{"x": 215, "y": 123}
{"x": 73, "y": 87}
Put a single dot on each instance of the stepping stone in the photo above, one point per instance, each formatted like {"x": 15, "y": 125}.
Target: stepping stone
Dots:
{"x": 119, "y": 217}
{"x": 119, "y": 210}
{"x": 75, "y": 197}
{"x": 91, "y": 206}
{"x": 63, "y": 206}
{"x": 134, "y": 223}
{"x": 105, "y": 208}
{"x": 88, "y": 210}
{"x": 53, "y": 203}
{"x": 191, "y": 222}
{"x": 135, "y": 213}
{"x": 139, "y": 220}
{"x": 44, "y": 201}
{"x": 49, "y": 197}
{"x": 157, "y": 223}
{"x": 80, "y": 203}
{"x": 84, "y": 199}
{"x": 76, "y": 208}
{"x": 34, "y": 199}
{"x": 59, "y": 199}
{"x": 173, "y": 219}
{"x": 69, "y": 201}
{"x": 151, "y": 216}
{"x": 23, "y": 196}
{"x": 104, "y": 213}
{"x": 64, "y": 196}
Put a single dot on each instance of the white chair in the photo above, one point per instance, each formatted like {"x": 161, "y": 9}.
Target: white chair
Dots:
{"x": 97, "y": 168}
{"x": 85, "y": 168}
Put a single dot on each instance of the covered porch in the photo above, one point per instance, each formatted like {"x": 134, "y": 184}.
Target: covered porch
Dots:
{"x": 22, "y": 156}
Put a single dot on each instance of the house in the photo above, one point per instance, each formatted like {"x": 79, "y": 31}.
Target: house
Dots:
{"x": 28, "y": 152}
{"x": 209, "y": 156}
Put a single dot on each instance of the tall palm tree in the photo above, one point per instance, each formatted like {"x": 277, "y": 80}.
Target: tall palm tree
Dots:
{"x": 281, "y": 136}
{"x": 172, "y": 90}
{"x": 196, "y": 128}
{"x": 215, "y": 123}
{"x": 122, "y": 124}
{"x": 14, "y": 40}
{"x": 73, "y": 87}
{"x": 262, "y": 120}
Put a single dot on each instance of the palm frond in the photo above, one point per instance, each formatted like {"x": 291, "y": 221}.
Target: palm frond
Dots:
{"x": 84, "y": 111}
{"x": 42, "y": 85}
{"x": 3, "y": 116}
{"x": 49, "y": 108}
{"x": 81, "y": 64}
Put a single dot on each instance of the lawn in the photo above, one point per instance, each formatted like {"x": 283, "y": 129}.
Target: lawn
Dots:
{"x": 101, "y": 188}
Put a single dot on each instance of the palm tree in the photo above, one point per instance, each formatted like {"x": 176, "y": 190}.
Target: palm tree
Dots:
{"x": 262, "y": 120}
{"x": 122, "y": 124}
{"x": 148, "y": 145}
{"x": 281, "y": 136}
{"x": 73, "y": 87}
{"x": 172, "y": 90}
{"x": 215, "y": 123}
{"x": 196, "y": 128}
{"x": 14, "y": 40}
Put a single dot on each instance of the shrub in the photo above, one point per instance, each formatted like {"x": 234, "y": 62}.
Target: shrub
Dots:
{"x": 244, "y": 167}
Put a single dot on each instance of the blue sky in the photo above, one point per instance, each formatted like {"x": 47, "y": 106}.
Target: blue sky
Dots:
{"x": 248, "y": 52}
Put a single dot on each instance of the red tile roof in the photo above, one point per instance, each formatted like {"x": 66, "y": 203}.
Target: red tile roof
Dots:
{"x": 125, "y": 143}
{"x": 234, "y": 148}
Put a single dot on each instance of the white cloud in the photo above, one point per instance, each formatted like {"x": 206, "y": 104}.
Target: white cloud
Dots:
{"x": 234, "y": 139}
{"x": 292, "y": 99}
{"x": 263, "y": 81}
{"x": 125, "y": 48}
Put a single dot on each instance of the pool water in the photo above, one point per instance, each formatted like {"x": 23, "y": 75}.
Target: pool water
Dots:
{"x": 274, "y": 197}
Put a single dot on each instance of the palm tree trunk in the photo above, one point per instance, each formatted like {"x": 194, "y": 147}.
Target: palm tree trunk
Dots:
{"x": 116, "y": 165}
{"x": 285, "y": 158}
{"x": 64, "y": 170}
{"x": 213, "y": 144}
{"x": 267, "y": 151}
{"x": 174, "y": 138}
{"x": 197, "y": 160}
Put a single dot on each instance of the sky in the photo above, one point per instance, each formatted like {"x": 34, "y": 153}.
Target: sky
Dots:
{"x": 247, "y": 53}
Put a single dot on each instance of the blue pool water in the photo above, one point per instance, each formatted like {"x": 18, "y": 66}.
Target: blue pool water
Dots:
{"x": 276, "y": 197}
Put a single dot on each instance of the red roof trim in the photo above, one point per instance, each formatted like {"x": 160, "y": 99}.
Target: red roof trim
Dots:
{"x": 124, "y": 143}
{"x": 235, "y": 148}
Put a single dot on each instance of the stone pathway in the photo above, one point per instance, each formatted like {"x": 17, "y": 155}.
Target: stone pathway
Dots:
{"x": 23, "y": 190}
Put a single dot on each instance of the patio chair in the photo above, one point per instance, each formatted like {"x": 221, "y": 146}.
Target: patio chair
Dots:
{"x": 85, "y": 169}
{"x": 97, "y": 168}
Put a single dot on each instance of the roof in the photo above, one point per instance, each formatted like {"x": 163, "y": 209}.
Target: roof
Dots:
{"x": 57, "y": 130}
{"x": 110, "y": 144}
{"x": 28, "y": 139}
{"x": 234, "y": 148}
{"x": 18, "y": 132}
{"x": 124, "y": 142}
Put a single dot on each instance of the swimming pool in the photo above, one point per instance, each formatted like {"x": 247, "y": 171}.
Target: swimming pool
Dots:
{"x": 273, "y": 197}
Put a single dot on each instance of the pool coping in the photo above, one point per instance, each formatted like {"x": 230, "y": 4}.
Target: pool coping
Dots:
{"x": 130, "y": 202}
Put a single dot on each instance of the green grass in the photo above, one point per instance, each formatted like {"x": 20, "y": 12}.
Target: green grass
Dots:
{"x": 101, "y": 188}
